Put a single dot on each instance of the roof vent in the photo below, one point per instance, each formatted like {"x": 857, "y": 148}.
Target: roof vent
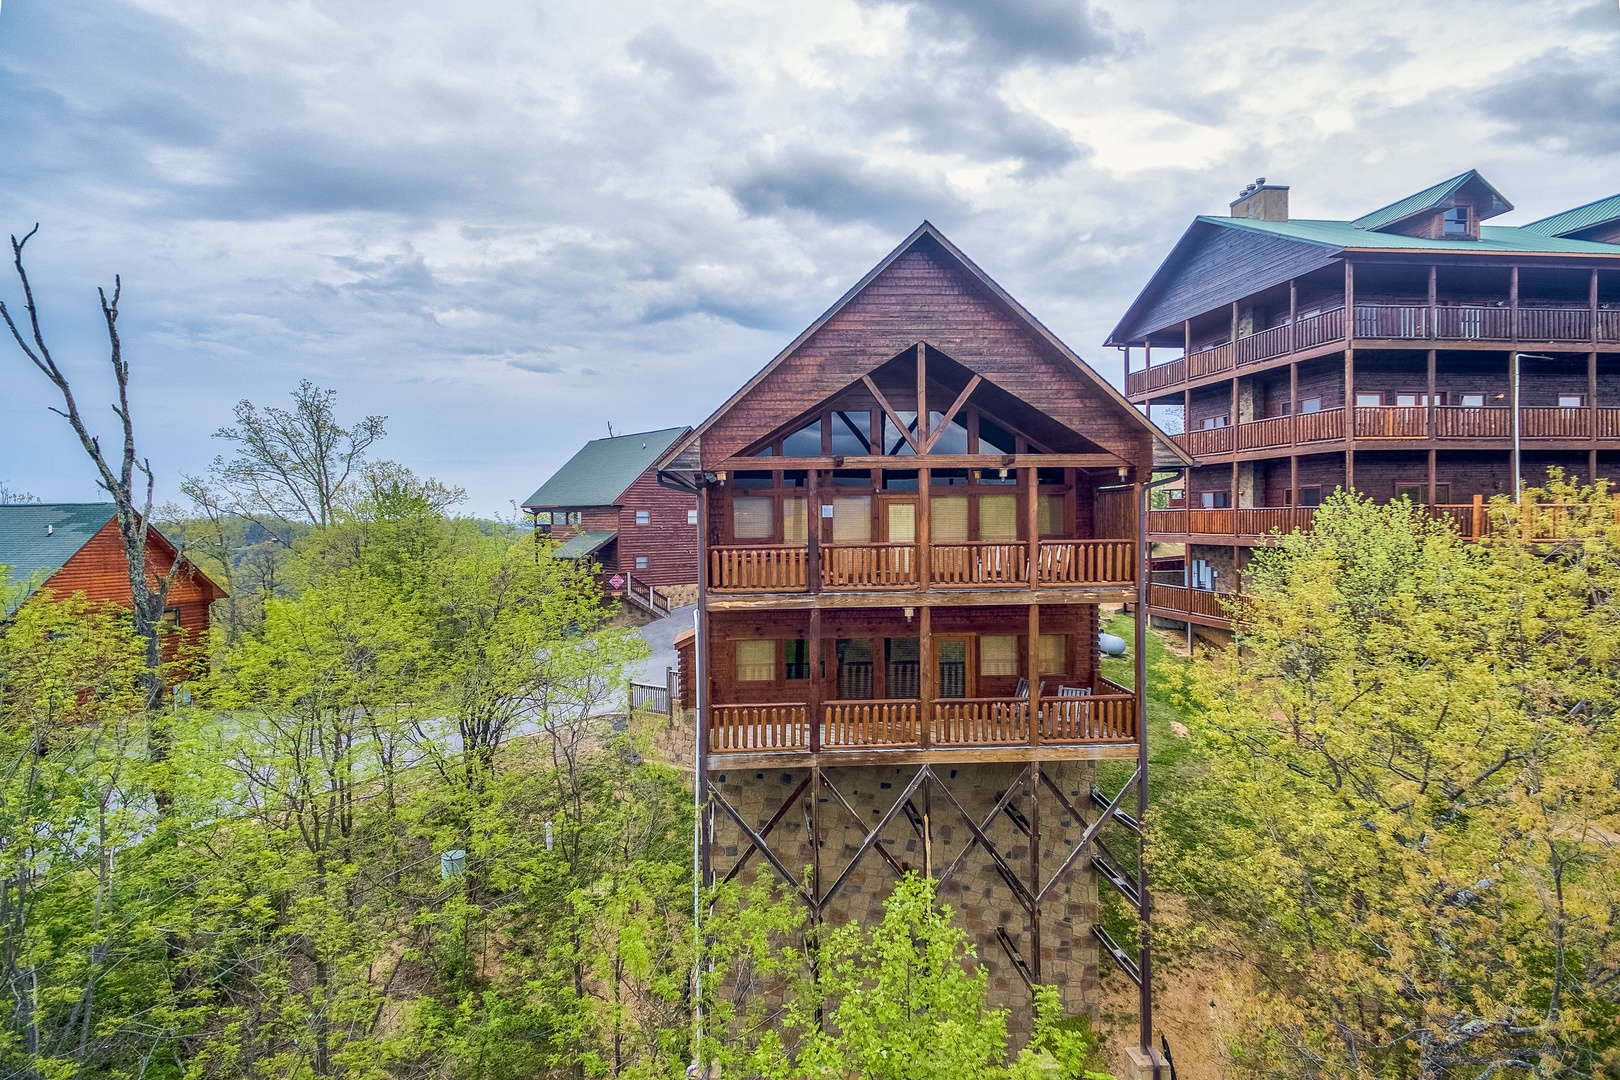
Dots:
{"x": 1262, "y": 201}
{"x": 50, "y": 530}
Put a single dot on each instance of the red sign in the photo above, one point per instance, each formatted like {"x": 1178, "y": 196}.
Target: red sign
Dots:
{"x": 616, "y": 581}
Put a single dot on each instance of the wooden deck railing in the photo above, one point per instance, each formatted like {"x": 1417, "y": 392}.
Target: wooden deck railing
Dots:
{"x": 1156, "y": 377}
{"x": 1210, "y": 361}
{"x": 1245, "y": 521}
{"x": 1107, "y": 715}
{"x": 1469, "y": 422}
{"x": 1087, "y": 562}
{"x": 1264, "y": 345}
{"x": 1555, "y": 423}
{"x": 1608, "y": 423}
{"x": 1319, "y": 426}
{"x": 868, "y": 566}
{"x": 1323, "y": 328}
{"x": 1555, "y": 324}
{"x": 1206, "y": 441}
{"x": 1392, "y": 422}
{"x": 1202, "y": 605}
{"x": 1272, "y": 431}
{"x": 881, "y": 723}
{"x": 781, "y": 726}
{"x": 980, "y": 563}
{"x": 759, "y": 569}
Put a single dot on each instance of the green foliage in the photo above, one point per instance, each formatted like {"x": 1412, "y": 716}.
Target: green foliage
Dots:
{"x": 895, "y": 1001}
{"x": 1404, "y": 810}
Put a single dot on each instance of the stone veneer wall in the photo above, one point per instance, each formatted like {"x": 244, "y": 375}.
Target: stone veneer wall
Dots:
{"x": 977, "y": 893}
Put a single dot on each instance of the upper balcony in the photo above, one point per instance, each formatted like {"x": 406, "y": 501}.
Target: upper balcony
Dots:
{"x": 1374, "y": 323}
{"x": 1456, "y": 425}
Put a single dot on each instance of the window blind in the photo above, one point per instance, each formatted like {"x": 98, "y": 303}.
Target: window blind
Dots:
{"x": 751, "y": 518}
{"x": 998, "y": 654}
{"x": 998, "y": 518}
{"x": 756, "y": 661}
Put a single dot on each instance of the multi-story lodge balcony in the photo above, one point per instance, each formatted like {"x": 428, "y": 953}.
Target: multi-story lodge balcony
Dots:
{"x": 1452, "y": 424}
{"x": 1094, "y": 718}
{"x": 1387, "y": 325}
{"x": 1003, "y": 565}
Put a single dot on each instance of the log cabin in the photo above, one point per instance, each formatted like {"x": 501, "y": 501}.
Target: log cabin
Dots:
{"x": 68, "y": 549}
{"x": 606, "y": 505}
{"x": 908, "y": 520}
{"x": 1413, "y": 352}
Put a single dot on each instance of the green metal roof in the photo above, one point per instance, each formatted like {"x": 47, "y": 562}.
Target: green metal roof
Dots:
{"x": 36, "y": 539}
{"x": 1430, "y": 199}
{"x": 599, "y": 473}
{"x": 1593, "y": 214}
{"x": 1347, "y": 234}
{"x": 583, "y": 545}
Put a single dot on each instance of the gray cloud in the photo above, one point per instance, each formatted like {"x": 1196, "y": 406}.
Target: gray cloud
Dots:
{"x": 692, "y": 73}
{"x": 838, "y": 189}
{"x": 1560, "y": 101}
{"x": 1011, "y": 32}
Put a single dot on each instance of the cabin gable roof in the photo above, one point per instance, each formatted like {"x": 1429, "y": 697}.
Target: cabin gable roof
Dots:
{"x": 603, "y": 470}
{"x": 926, "y": 291}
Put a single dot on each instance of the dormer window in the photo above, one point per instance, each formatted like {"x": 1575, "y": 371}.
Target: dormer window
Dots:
{"x": 1455, "y": 224}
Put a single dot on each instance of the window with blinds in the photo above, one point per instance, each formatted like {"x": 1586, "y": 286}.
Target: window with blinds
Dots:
{"x": 949, "y": 522}
{"x": 756, "y": 661}
{"x": 902, "y": 523}
{"x": 998, "y": 654}
{"x": 1051, "y": 517}
{"x": 752, "y": 518}
{"x": 998, "y": 518}
{"x": 852, "y": 519}
{"x": 1054, "y": 650}
{"x": 794, "y": 522}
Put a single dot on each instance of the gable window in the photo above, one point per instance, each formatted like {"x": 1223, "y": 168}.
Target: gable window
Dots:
{"x": 994, "y": 438}
{"x": 851, "y": 434}
{"x": 954, "y": 439}
{"x": 643, "y": 517}
{"x": 1456, "y": 223}
{"x": 806, "y": 442}
{"x": 894, "y": 440}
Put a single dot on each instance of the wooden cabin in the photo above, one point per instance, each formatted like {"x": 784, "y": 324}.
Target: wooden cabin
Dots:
{"x": 607, "y": 506}
{"x": 907, "y": 522}
{"x": 74, "y": 548}
{"x": 1413, "y": 352}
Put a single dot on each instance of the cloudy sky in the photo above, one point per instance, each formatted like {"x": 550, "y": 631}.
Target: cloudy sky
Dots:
{"x": 507, "y": 224}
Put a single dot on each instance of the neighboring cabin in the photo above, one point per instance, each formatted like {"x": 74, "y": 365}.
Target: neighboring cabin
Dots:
{"x": 69, "y": 548}
{"x": 606, "y": 505}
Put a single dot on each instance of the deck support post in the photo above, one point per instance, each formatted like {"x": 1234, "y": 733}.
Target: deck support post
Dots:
{"x": 700, "y": 671}
{"x": 1032, "y": 523}
{"x": 812, "y": 706}
{"x": 1034, "y": 666}
{"x": 927, "y": 670}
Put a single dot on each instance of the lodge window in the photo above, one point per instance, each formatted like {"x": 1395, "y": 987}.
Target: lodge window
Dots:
{"x": 797, "y": 664}
{"x": 1419, "y": 493}
{"x": 854, "y": 668}
{"x": 691, "y": 517}
{"x": 902, "y": 670}
{"x": 851, "y": 434}
{"x": 1054, "y": 654}
{"x": 871, "y": 432}
{"x": 756, "y": 661}
{"x": 1310, "y": 405}
{"x": 1052, "y": 515}
{"x": 643, "y": 517}
{"x": 1471, "y": 401}
{"x": 171, "y": 617}
{"x": 1572, "y": 401}
{"x": 1310, "y": 495}
{"x": 641, "y": 562}
{"x": 1214, "y": 500}
{"x": 1419, "y": 400}
{"x": 806, "y": 442}
{"x": 895, "y": 443}
{"x": 1455, "y": 223}
{"x": 954, "y": 439}
{"x": 543, "y": 517}
{"x": 996, "y": 436}
{"x": 1211, "y": 423}
{"x": 1369, "y": 398}
{"x": 998, "y": 655}
{"x": 752, "y": 517}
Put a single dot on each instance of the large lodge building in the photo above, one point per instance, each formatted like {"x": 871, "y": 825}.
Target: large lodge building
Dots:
{"x": 907, "y": 522}
{"x": 1413, "y": 352}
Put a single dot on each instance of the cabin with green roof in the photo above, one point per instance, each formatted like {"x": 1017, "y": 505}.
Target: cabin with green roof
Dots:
{"x": 1418, "y": 351}
{"x": 606, "y": 505}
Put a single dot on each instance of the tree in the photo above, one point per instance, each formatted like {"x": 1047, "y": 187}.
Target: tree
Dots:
{"x": 895, "y": 1001}
{"x": 117, "y": 474}
{"x": 1404, "y": 812}
{"x": 294, "y": 464}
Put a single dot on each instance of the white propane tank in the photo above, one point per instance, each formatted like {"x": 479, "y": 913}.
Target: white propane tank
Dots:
{"x": 1111, "y": 645}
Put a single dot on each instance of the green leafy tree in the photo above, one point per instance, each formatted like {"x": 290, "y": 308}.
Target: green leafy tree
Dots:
{"x": 1404, "y": 810}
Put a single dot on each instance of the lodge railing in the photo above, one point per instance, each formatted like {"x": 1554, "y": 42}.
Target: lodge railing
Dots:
{"x": 868, "y": 566}
{"x": 1405, "y": 422}
{"x": 1244, "y": 521}
{"x": 1309, "y": 332}
{"x": 1107, "y": 715}
{"x": 778, "y": 568}
{"x": 980, "y": 563}
{"x": 877, "y": 567}
{"x": 1086, "y": 562}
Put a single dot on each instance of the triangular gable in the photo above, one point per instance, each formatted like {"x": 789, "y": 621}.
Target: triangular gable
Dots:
{"x": 1216, "y": 261}
{"x": 1470, "y": 187}
{"x": 1594, "y": 215}
{"x": 927, "y": 290}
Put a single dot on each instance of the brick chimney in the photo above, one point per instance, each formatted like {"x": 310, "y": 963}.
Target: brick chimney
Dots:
{"x": 1262, "y": 201}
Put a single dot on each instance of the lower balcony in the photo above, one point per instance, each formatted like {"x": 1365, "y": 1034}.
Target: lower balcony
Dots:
{"x": 978, "y": 564}
{"x": 1094, "y": 721}
{"x": 1254, "y": 524}
{"x": 1402, "y": 422}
